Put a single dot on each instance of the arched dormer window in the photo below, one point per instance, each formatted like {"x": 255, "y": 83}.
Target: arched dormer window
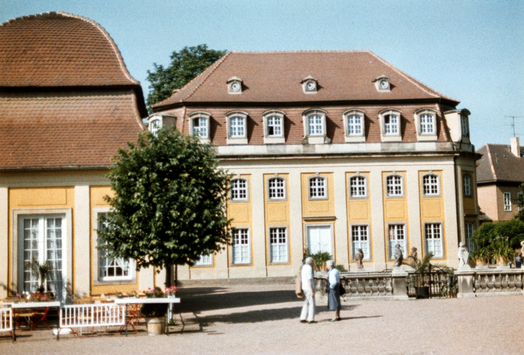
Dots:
{"x": 315, "y": 126}
{"x": 354, "y": 126}
{"x": 199, "y": 123}
{"x": 274, "y": 127}
{"x": 236, "y": 127}
{"x": 426, "y": 124}
{"x": 390, "y": 125}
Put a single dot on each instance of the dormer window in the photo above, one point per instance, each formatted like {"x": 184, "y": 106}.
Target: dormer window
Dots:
{"x": 464, "y": 125}
{"x": 234, "y": 85}
{"x": 158, "y": 121}
{"x": 315, "y": 126}
{"x": 199, "y": 125}
{"x": 390, "y": 127}
{"x": 274, "y": 127}
{"x": 426, "y": 124}
{"x": 236, "y": 127}
{"x": 309, "y": 85}
{"x": 382, "y": 84}
{"x": 354, "y": 126}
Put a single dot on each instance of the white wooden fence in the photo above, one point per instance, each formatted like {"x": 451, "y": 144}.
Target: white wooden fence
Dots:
{"x": 91, "y": 315}
{"x": 6, "y": 320}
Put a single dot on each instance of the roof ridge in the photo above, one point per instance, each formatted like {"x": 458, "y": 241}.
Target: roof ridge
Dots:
{"x": 414, "y": 81}
{"x": 212, "y": 69}
{"x": 299, "y": 51}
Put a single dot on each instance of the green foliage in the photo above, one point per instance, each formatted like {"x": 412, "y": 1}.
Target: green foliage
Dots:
{"x": 340, "y": 268}
{"x": 319, "y": 259}
{"x": 153, "y": 309}
{"x": 520, "y": 201}
{"x": 43, "y": 270}
{"x": 424, "y": 265}
{"x": 185, "y": 65}
{"x": 497, "y": 240}
{"x": 169, "y": 203}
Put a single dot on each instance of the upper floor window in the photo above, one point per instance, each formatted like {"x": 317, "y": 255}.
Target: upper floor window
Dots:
{"x": 430, "y": 185}
{"x": 394, "y": 185}
{"x": 427, "y": 123}
{"x": 467, "y": 185}
{"x": 237, "y": 128}
{"x": 277, "y": 189}
{"x": 507, "y": 201}
{"x": 239, "y": 190}
{"x": 357, "y": 186}
{"x": 157, "y": 121}
{"x": 470, "y": 228}
{"x": 464, "y": 125}
{"x": 315, "y": 126}
{"x": 317, "y": 187}
{"x": 391, "y": 124}
{"x": 274, "y": 127}
{"x": 154, "y": 126}
{"x": 354, "y": 123}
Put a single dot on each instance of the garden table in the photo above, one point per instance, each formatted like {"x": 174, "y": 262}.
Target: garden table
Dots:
{"x": 159, "y": 300}
{"x": 30, "y": 305}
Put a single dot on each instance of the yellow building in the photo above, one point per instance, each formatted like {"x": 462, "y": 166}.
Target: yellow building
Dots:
{"x": 67, "y": 102}
{"x": 330, "y": 151}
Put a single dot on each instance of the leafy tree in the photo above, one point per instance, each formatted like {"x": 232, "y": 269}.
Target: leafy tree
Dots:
{"x": 498, "y": 239}
{"x": 169, "y": 203}
{"x": 520, "y": 201}
{"x": 185, "y": 65}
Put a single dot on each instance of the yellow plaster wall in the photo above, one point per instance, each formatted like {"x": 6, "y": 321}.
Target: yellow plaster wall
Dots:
{"x": 240, "y": 212}
{"x": 469, "y": 201}
{"x": 317, "y": 207}
{"x": 276, "y": 214}
{"x": 359, "y": 212}
{"x": 39, "y": 198}
{"x": 395, "y": 210}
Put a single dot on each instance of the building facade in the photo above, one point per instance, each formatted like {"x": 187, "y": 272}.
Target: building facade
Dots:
{"x": 330, "y": 152}
{"x": 500, "y": 174}
{"x": 67, "y": 102}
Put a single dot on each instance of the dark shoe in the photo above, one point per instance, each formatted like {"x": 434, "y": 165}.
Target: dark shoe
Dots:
{"x": 312, "y": 321}
{"x": 303, "y": 321}
{"x": 335, "y": 320}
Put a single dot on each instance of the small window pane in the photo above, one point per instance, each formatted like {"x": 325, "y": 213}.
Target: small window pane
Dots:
{"x": 317, "y": 187}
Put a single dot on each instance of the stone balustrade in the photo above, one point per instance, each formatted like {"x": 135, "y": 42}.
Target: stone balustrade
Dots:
{"x": 489, "y": 282}
{"x": 360, "y": 284}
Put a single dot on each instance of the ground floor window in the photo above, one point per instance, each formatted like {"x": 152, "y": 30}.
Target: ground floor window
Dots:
{"x": 278, "y": 245}
{"x": 360, "y": 240}
{"x": 204, "y": 260}
{"x": 42, "y": 242}
{"x": 434, "y": 239}
{"x": 397, "y": 235}
{"x": 241, "y": 246}
{"x": 470, "y": 228}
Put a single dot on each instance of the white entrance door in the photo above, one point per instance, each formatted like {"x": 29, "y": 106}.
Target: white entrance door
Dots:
{"x": 42, "y": 240}
{"x": 319, "y": 239}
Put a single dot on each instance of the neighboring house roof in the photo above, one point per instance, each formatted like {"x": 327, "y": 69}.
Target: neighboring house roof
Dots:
{"x": 277, "y": 77}
{"x": 59, "y": 49}
{"x": 66, "y": 97}
{"x": 498, "y": 163}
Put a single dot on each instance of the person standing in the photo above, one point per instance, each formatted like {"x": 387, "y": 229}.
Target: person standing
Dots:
{"x": 308, "y": 286}
{"x": 334, "y": 290}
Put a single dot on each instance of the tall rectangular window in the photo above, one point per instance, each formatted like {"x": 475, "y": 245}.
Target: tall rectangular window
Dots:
{"x": 204, "y": 260}
{"x": 507, "y": 201}
{"x": 397, "y": 235}
{"x": 241, "y": 246}
{"x": 394, "y": 185}
{"x": 274, "y": 126}
{"x": 278, "y": 245}
{"x": 239, "y": 190}
{"x": 112, "y": 269}
{"x": 317, "y": 187}
{"x": 357, "y": 186}
{"x": 467, "y": 185}
{"x": 470, "y": 228}
{"x": 315, "y": 125}
{"x": 464, "y": 125}
{"x": 430, "y": 185}
{"x": 434, "y": 239}
{"x": 391, "y": 125}
{"x": 360, "y": 240}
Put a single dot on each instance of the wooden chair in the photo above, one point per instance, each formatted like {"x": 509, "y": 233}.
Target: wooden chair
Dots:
{"x": 23, "y": 314}
{"x": 40, "y": 317}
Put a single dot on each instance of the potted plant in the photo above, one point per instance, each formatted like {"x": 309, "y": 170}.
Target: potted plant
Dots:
{"x": 43, "y": 270}
{"x": 481, "y": 257}
{"x": 422, "y": 268}
{"x": 155, "y": 313}
{"x": 502, "y": 251}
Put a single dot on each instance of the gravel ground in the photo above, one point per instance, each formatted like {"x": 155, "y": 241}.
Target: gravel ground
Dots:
{"x": 263, "y": 319}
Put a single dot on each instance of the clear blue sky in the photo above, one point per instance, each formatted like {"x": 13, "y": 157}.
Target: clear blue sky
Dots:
{"x": 470, "y": 50}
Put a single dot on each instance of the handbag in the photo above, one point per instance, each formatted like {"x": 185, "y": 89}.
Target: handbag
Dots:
{"x": 298, "y": 285}
{"x": 342, "y": 290}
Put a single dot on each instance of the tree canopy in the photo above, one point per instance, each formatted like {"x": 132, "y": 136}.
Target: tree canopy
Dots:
{"x": 169, "y": 203}
{"x": 184, "y": 66}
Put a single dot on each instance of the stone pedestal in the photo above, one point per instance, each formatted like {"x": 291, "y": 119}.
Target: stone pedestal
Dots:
{"x": 465, "y": 282}
{"x": 399, "y": 276}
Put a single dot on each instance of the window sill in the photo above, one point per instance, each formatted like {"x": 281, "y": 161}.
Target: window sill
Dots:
{"x": 426, "y": 137}
{"x": 392, "y": 138}
{"x": 274, "y": 140}
{"x": 233, "y": 141}
{"x": 355, "y": 139}
{"x": 114, "y": 282}
{"x": 317, "y": 140}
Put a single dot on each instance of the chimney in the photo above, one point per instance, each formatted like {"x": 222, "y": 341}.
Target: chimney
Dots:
{"x": 515, "y": 148}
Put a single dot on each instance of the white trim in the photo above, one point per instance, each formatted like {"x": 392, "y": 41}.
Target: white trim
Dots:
{"x": 395, "y": 129}
{"x": 200, "y": 115}
{"x": 238, "y": 138}
{"x": 249, "y": 244}
{"x": 354, "y": 137}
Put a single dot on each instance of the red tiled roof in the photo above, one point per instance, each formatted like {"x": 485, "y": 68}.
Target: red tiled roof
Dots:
{"x": 63, "y": 130}
{"x": 277, "y": 76}
{"x": 498, "y": 163}
{"x": 59, "y": 49}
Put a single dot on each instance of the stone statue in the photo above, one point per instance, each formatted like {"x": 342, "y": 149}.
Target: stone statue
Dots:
{"x": 463, "y": 255}
{"x": 398, "y": 256}
{"x": 359, "y": 256}
{"x": 522, "y": 245}
{"x": 414, "y": 253}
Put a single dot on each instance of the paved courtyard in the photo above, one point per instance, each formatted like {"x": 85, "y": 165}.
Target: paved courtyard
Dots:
{"x": 263, "y": 319}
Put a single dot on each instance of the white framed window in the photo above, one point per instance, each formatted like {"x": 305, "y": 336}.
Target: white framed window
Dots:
{"x": 157, "y": 121}
{"x": 394, "y": 186}
{"x": 155, "y": 126}
{"x": 239, "y": 190}
{"x": 237, "y": 127}
{"x": 464, "y": 124}
{"x": 274, "y": 127}
{"x": 200, "y": 125}
{"x": 315, "y": 126}
{"x": 390, "y": 127}
{"x": 434, "y": 239}
{"x": 358, "y": 187}
{"x": 277, "y": 188}
{"x": 467, "y": 185}
{"x": 430, "y": 185}
{"x": 507, "y": 201}
{"x": 427, "y": 124}
{"x": 278, "y": 245}
{"x": 354, "y": 126}
{"x": 317, "y": 187}
{"x": 470, "y": 228}
{"x": 397, "y": 235}
{"x": 112, "y": 269}
{"x": 241, "y": 246}
{"x": 204, "y": 260}
{"x": 360, "y": 240}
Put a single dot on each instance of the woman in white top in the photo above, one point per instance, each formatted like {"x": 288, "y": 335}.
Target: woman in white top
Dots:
{"x": 334, "y": 289}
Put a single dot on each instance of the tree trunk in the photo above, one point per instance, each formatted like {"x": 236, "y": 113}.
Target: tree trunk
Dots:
{"x": 169, "y": 275}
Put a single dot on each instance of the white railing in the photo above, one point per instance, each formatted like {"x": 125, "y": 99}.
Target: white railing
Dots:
{"x": 6, "y": 320}
{"x": 91, "y": 315}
